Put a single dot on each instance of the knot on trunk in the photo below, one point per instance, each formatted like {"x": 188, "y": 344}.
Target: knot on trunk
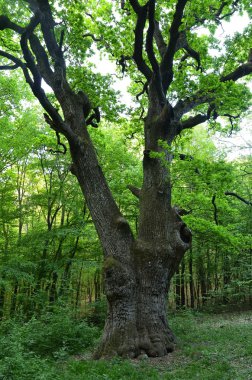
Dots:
{"x": 117, "y": 273}
{"x": 184, "y": 232}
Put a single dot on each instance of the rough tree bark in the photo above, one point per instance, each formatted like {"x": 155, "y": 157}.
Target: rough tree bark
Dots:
{"x": 138, "y": 269}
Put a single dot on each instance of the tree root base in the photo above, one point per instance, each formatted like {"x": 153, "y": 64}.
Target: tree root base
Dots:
{"x": 130, "y": 346}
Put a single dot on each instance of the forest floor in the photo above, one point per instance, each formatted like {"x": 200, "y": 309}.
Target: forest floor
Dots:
{"x": 210, "y": 347}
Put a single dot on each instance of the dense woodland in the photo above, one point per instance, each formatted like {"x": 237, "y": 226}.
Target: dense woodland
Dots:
{"x": 108, "y": 201}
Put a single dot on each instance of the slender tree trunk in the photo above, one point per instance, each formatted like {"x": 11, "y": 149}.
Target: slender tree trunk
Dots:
{"x": 97, "y": 285}
{"x": 226, "y": 277}
{"x": 177, "y": 290}
{"x": 250, "y": 284}
{"x": 67, "y": 271}
{"x": 183, "y": 287}
{"x": 78, "y": 291}
{"x": 191, "y": 284}
{"x": 2, "y": 295}
{"x": 6, "y": 229}
{"x": 53, "y": 291}
{"x": 216, "y": 282}
{"x": 21, "y": 193}
{"x": 14, "y": 299}
{"x": 53, "y": 295}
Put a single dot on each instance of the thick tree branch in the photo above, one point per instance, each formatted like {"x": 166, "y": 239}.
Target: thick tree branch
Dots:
{"x": 195, "y": 55}
{"x": 138, "y": 45}
{"x": 134, "y": 190}
{"x": 238, "y": 73}
{"x": 26, "y": 52}
{"x": 17, "y": 63}
{"x": 42, "y": 60}
{"x": 150, "y": 37}
{"x": 151, "y": 54}
{"x": 167, "y": 62}
{"x": 184, "y": 106}
{"x": 9, "y": 67}
{"x": 198, "y": 119}
{"x": 192, "y": 122}
{"x": 47, "y": 26}
{"x": 238, "y": 197}
{"x": 35, "y": 85}
{"x": 55, "y": 121}
{"x": 160, "y": 42}
{"x": 135, "y": 5}
{"x": 55, "y": 50}
{"x": 6, "y": 23}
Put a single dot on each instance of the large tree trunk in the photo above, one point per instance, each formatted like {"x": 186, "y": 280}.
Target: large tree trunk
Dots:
{"x": 137, "y": 297}
{"x": 138, "y": 271}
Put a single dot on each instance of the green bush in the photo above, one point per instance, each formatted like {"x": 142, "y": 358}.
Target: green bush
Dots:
{"x": 28, "y": 349}
{"x": 52, "y": 334}
{"x": 58, "y": 333}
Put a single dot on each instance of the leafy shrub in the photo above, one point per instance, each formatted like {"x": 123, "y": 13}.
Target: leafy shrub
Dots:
{"x": 27, "y": 367}
{"x": 97, "y": 313}
{"x": 56, "y": 333}
{"x": 52, "y": 334}
{"x": 28, "y": 349}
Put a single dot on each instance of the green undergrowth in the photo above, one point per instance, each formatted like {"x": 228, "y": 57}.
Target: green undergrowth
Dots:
{"x": 56, "y": 346}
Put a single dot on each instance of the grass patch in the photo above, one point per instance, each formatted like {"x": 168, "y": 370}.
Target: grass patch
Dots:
{"x": 210, "y": 347}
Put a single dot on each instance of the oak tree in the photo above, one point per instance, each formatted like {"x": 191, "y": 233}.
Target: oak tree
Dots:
{"x": 184, "y": 84}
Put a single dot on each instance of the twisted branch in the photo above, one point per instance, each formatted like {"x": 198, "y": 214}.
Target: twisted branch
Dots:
{"x": 60, "y": 144}
{"x": 238, "y": 197}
